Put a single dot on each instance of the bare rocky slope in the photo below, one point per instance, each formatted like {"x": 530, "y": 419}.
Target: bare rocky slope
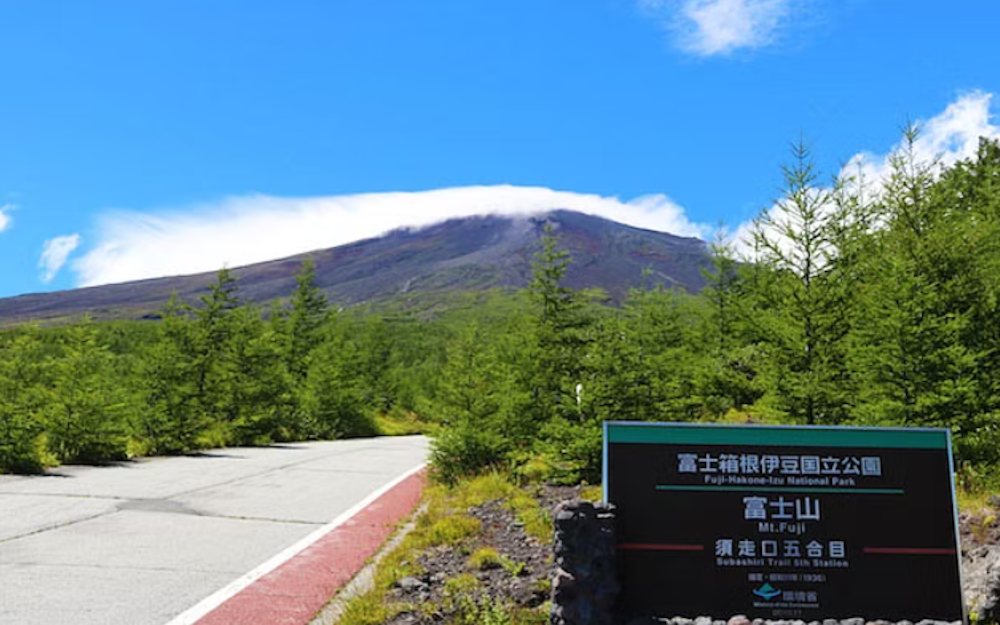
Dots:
{"x": 467, "y": 254}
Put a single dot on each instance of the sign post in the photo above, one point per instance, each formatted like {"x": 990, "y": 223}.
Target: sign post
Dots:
{"x": 784, "y": 522}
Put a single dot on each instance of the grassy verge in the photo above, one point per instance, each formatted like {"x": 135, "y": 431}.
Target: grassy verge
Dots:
{"x": 446, "y": 524}
{"x": 402, "y": 423}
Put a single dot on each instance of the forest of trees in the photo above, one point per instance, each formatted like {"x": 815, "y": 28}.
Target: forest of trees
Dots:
{"x": 860, "y": 304}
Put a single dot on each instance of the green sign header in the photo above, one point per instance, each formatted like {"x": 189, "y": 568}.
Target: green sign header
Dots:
{"x": 782, "y": 436}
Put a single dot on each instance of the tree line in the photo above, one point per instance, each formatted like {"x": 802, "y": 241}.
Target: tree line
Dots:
{"x": 218, "y": 373}
{"x": 859, "y": 303}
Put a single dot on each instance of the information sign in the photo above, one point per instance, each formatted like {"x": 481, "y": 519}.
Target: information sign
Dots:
{"x": 784, "y": 522}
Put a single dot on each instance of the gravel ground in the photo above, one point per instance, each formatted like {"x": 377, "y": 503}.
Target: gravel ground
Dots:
{"x": 525, "y": 580}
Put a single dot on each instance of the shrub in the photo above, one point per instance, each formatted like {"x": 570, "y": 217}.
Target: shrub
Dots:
{"x": 466, "y": 450}
{"x": 485, "y": 558}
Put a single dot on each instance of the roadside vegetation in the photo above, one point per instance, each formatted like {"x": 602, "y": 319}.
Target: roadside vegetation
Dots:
{"x": 449, "y": 536}
{"x": 858, "y": 305}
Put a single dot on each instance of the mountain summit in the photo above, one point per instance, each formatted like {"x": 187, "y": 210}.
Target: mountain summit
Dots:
{"x": 469, "y": 253}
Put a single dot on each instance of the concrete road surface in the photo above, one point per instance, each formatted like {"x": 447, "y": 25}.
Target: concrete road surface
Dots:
{"x": 144, "y": 541}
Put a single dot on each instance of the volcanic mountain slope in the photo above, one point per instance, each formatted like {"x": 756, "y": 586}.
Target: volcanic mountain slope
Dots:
{"x": 466, "y": 254}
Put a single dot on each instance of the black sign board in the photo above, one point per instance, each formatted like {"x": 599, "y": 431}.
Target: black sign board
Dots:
{"x": 784, "y": 522}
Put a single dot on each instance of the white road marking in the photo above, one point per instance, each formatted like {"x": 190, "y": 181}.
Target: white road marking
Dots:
{"x": 209, "y": 603}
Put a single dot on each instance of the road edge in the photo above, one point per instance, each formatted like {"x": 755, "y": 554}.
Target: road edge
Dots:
{"x": 293, "y": 582}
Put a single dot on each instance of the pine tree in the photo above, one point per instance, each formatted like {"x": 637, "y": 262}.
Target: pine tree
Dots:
{"x": 172, "y": 417}
{"x": 85, "y": 415}
{"x": 560, "y": 338}
{"x": 310, "y": 311}
{"x": 335, "y": 401}
{"x": 22, "y": 371}
{"x": 214, "y": 364}
{"x": 805, "y": 296}
{"x": 263, "y": 405}
{"x": 919, "y": 346}
{"x": 730, "y": 376}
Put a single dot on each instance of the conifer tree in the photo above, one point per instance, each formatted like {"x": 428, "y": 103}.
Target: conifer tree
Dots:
{"x": 86, "y": 410}
{"x": 172, "y": 417}
{"x": 22, "y": 371}
{"x": 805, "y": 298}
{"x": 918, "y": 348}
{"x": 730, "y": 376}
{"x": 262, "y": 389}
{"x": 334, "y": 399}
{"x": 214, "y": 363}
{"x": 310, "y": 311}
{"x": 560, "y": 324}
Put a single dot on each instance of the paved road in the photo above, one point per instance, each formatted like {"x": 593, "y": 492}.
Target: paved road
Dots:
{"x": 142, "y": 542}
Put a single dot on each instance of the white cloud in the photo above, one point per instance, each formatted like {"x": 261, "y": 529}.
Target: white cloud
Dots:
{"x": 243, "y": 230}
{"x": 946, "y": 138}
{"x": 5, "y": 219}
{"x": 720, "y": 27}
{"x": 54, "y": 255}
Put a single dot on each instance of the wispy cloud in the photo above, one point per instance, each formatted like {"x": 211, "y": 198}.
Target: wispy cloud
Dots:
{"x": 946, "y": 138}
{"x": 5, "y": 219}
{"x": 720, "y": 27}
{"x": 243, "y": 230}
{"x": 54, "y": 255}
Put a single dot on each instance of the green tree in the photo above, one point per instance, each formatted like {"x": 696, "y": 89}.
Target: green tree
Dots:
{"x": 172, "y": 418}
{"x": 730, "y": 377}
{"x": 803, "y": 302}
{"x": 641, "y": 365}
{"x": 560, "y": 333}
{"x": 924, "y": 340}
{"x": 214, "y": 364}
{"x": 310, "y": 311}
{"x": 335, "y": 397}
{"x": 373, "y": 338}
{"x": 262, "y": 400}
{"x": 86, "y": 407}
{"x": 22, "y": 371}
{"x": 472, "y": 402}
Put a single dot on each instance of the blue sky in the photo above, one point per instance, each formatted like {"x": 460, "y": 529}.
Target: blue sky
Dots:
{"x": 161, "y": 137}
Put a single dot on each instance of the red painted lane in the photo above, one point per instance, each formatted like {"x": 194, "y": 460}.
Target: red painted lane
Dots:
{"x": 294, "y": 592}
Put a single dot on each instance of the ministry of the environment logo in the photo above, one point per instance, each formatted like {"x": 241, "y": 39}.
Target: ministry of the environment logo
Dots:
{"x": 767, "y": 592}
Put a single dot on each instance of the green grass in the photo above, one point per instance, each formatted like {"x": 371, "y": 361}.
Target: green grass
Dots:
{"x": 592, "y": 493}
{"x": 448, "y": 530}
{"x": 402, "y": 423}
{"x": 460, "y": 585}
{"x": 974, "y": 485}
{"x": 495, "y": 486}
{"x": 485, "y": 558}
